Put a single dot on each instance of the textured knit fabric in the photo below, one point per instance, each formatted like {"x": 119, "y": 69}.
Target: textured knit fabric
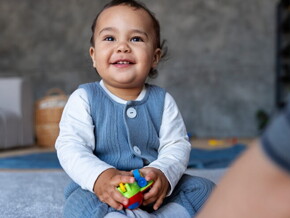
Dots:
{"x": 169, "y": 210}
{"x": 118, "y": 134}
{"x": 81, "y": 203}
{"x": 276, "y": 139}
{"x": 75, "y": 144}
{"x": 191, "y": 193}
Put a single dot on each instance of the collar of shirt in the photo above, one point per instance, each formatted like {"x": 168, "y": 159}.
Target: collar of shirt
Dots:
{"x": 120, "y": 100}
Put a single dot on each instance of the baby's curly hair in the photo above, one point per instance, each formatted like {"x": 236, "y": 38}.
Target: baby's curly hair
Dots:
{"x": 137, "y": 5}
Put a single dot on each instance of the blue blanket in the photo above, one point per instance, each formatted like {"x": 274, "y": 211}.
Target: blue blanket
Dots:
{"x": 199, "y": 158}
{"x": 217, "y": 158}
{"x": 43, "y": 160}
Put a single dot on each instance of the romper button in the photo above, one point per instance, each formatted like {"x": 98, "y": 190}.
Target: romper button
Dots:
{"x": 137, "y": 150}
{"x": 131, "y": 112}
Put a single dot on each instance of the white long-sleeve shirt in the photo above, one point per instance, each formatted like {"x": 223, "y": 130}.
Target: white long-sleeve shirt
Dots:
{"x": 76, "y": 141}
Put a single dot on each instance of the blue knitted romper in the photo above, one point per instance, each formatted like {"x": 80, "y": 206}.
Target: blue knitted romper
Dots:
{"x": 127, "y": 137}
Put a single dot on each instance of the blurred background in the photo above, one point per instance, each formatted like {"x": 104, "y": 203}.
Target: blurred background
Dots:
{"x": 221, "y": 65}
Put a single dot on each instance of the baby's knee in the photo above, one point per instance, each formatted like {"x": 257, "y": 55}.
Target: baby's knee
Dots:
{"x": 82, "y": 203}
{"x": 205, "y": 186}
{"x": 72, "y": 186}
{"x": 198, "y": 185}
{"x": 191, "y": 192}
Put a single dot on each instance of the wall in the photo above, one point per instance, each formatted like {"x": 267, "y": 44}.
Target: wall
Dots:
{"x": 220, "y": 67}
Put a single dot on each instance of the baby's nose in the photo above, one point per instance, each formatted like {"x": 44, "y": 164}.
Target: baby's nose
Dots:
{"x": 123, "y": 47}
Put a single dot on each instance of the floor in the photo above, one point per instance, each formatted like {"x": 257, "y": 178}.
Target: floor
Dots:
{"x": 214, "y": 143}
{"x": 197, "y": 143}
{"x": 25, "y": 150}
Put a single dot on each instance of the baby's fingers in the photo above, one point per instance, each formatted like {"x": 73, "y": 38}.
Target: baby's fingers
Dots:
{"x": 114, "y": 204}
{"x": 152, "y": 195}
{"x": 117, "y": 179}
{"x": 159, "y": 202}
{"x": 115, "y": 199}
{"x": 150, "y": 175}
{"x": 154, "y": 191}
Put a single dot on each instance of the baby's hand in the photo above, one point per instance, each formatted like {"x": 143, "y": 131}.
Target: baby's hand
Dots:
{"x": 105, "y": 187}
{"x": 159, "y": 189}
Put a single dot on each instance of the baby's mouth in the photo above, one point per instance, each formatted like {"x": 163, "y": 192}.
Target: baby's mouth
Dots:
{"x": 123, "y": 62}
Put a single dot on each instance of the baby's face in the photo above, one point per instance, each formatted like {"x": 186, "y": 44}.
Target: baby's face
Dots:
{"x": 125, "y": 46}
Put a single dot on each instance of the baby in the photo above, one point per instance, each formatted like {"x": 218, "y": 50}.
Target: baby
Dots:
{"x": 121, "y": 123}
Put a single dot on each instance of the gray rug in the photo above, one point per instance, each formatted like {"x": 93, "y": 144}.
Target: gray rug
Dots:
{"x": 34, "y": 194}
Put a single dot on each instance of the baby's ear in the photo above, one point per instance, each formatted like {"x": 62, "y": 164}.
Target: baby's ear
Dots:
{"x": 156, "y": 57}
{"x": 92, "y": 54}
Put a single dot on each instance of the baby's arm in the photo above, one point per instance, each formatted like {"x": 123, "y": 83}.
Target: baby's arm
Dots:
{"x": 174, "y": 146}
{"x": 76, "y": 142}
{"x": 75, "y": 146}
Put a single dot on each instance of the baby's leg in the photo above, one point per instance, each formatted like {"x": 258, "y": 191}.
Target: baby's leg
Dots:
{"x": 115, "y": 215}
{"x": 137, "y": 213}
{"x": 168, "y": 210}
{"x": 83, "y": 203}
{"x": 191, "y": 192}
{"x": 171, "y": 210}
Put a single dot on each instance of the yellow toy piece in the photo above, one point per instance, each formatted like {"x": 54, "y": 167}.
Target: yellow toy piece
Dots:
{"x": 122, "y": 187}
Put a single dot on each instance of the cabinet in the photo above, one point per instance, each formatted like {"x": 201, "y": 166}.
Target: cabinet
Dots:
{"x": 283, "y": 53}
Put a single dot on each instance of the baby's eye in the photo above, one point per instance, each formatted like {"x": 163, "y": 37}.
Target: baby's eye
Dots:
{"x": 109, "y": 38}
{"x": 137, "y": 39}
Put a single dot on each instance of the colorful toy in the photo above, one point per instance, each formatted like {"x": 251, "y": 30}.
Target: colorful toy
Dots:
{"x": 135, "y": 191}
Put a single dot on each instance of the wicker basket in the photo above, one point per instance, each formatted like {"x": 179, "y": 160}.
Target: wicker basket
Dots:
{"x": 48, "y": 111}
